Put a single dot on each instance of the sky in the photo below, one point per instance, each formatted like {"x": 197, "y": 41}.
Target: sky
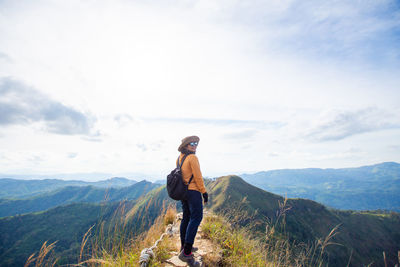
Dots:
{"x": 99, "y": 88}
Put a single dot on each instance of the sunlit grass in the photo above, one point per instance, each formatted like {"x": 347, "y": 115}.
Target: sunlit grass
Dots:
{"x": 119, "y": 249}
{"x": 237, "y": 248}
{"x": 242, "y": 247}
{"x": 44, "y": 257}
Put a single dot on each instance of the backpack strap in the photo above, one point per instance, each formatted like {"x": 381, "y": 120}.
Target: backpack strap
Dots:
{"x": 180, "y": 165}
{"x": 190, "y": 179}
{"x": 183, "y": 159}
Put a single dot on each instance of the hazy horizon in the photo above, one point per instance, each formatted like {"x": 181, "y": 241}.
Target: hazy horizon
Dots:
{"x": 94, "y": 177}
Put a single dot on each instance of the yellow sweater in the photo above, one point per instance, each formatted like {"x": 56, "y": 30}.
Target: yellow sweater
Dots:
{"x": 191, "y": 166}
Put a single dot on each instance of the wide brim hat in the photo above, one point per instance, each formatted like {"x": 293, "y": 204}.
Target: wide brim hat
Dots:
{"x": 187, "y": 140}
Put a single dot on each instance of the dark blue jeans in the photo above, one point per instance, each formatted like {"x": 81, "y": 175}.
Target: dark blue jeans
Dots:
{"x": 192, "y": 215}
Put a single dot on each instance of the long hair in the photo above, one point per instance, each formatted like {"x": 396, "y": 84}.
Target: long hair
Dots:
{"x": 186, "y": 151}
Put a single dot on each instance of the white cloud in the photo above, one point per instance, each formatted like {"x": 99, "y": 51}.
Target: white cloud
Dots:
{"x": 220, "y": 122}
{"x": 72, "y": 155}
{"x": 239, "y": 135}
{"x": 143, "y": 147}
{"x": 5, "y": 57}
{"x": 337, "y": 125}
{"x": 21, "y": 104}
{"x": 247, "y": 77}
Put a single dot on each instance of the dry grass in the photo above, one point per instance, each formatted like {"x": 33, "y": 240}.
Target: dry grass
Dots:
{"x": 212, "y": 259}
{"x": 84, "y": 241}
{"x": 242, "y": 248}
{"x": 169, "y": 216}
{"x": 126, "y": 252}
{"x": 41, "y": 259}
{"x": 238, "y": 249}
{"x": 233, "y": 245}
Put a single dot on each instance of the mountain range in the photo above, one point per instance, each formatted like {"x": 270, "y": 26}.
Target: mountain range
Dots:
{"x": 362, "y": 235}
{"x": 73, "y": 194}
{"x": 364, "y": 188}
{"x": 16, "y": 188}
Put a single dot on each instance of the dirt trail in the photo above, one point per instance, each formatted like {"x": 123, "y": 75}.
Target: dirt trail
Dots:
{"x": 206, "y": 253}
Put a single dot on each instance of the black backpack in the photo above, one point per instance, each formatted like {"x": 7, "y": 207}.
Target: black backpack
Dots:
{"x": 176, "y": 188}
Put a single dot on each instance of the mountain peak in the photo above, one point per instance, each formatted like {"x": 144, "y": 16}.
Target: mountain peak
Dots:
{"x": 231, "y": 178}
{"x": 388, "y": 164}
{"x": 232, "y": 190}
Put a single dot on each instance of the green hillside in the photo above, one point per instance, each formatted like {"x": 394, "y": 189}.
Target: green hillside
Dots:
{"x": 364, "y": 235}
{"x": 20, "y": 236}
{"x": 73, "y": 194}
{"x": 16, "y": 188}
{"x": 364, "y": 188}
{"x": 23, "y": 235}
{"x": 150, "y": 207}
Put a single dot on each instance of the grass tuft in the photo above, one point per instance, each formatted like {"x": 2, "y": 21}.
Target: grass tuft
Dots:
{"x": 42, "y": 259}
{"x": 169, "y": 216}
{"x": 116, "y": 248}
{"x": 237, "y": 248}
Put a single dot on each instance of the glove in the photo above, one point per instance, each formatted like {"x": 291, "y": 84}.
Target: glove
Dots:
{"x": 205, "y": 197}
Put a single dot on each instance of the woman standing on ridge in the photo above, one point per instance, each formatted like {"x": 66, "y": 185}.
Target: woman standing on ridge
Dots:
{"x": 193, "y": 206}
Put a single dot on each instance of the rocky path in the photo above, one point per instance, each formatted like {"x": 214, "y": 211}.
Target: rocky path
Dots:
{"x": 206, "y": 254}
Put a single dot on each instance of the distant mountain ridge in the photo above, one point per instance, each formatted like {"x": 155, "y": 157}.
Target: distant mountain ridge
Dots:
{"x": 15, "y": 188}
{"x": 74, "y": 194}
{"x": 363, "y": 188}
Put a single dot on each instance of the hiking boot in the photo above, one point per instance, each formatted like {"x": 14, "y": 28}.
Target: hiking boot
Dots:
{"x": 194, "y": 249}
{"x": 189, "y": 259}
